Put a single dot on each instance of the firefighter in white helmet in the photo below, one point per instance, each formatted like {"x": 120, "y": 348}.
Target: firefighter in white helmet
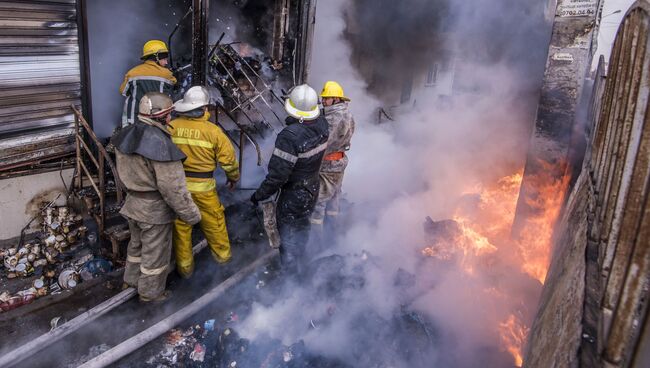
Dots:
{"x": 206, "y": 147}
{"x": 150, "y": 76}
{"x": 341, "y": 128}
{"x": 293, "y": 173}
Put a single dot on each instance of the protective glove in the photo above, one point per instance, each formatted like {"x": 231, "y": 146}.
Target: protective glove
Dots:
{"x": 254, "y": 200}
{"x": 231, "y": 184}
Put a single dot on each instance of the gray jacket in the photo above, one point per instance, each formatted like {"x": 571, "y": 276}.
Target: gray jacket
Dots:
{"x": 341, "y": 129}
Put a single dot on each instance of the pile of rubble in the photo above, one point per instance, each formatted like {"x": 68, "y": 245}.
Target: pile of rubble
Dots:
{"x": 50, "y": 258}
{"x": 203, "y": 346}
{"x": 329, "y": 292}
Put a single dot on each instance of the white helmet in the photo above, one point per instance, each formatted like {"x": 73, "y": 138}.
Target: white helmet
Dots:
{"x": 155, "y": 105}
{"x": 302, "y": 103}
{"x": 194, "y": 98}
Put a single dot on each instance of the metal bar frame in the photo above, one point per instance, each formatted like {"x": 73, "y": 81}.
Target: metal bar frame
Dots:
{"x": 83, "y": 129}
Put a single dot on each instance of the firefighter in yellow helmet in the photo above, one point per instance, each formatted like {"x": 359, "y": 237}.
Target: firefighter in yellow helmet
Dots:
{"x": 205, "y": 146}
{"x": 341, "y": 128}
{"x": 150, "y": 76}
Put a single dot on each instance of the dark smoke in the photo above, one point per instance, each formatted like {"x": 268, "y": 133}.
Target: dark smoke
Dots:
{"x": 398, "y": 36}
{"x": 400, "y": 39}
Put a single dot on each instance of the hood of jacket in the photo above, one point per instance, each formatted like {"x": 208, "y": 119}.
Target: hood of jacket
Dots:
{"x": 147, "y": 141}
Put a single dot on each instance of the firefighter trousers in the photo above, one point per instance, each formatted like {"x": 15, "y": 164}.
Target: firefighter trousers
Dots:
{"x": 294, "y": 235}
{"x": 213, "y": 225}
{"x": 328, "y": 197}
{"x": 147, "y": 257}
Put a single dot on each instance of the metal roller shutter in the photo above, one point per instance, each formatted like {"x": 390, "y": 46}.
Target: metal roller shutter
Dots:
{"x": 40, "y": 77}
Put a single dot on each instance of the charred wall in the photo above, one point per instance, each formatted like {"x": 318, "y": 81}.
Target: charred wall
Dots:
{"x": 567, "y": 65}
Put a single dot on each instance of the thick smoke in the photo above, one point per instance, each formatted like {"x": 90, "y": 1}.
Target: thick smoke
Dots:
{"x": 441, "y": 146}
{"x": 117, "y": 30}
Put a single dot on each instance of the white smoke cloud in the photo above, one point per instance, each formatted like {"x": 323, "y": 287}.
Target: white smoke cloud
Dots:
{"x": 400, "y": 172}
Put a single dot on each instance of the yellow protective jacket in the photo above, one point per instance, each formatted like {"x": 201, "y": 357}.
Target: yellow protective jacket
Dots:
{"x": 205, "y": 146}
{"x": 146, "y": 77}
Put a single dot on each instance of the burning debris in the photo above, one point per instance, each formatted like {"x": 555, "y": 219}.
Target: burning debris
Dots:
{"x": 53, "y": 258}
{"x": 478, "y": 239}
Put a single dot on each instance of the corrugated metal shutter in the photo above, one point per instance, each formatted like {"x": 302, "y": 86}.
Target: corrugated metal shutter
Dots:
{"x": 39, "y": 79}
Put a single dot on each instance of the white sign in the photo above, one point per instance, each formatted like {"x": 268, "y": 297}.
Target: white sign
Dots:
{"x": 577, "y": 8}
{"x": 562, "y": 56}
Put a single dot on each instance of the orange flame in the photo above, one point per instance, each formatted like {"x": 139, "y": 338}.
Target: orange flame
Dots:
{"x": 513, "y": 335}
{"x": 535, "y": 238}
{"x": 486, "y": 226}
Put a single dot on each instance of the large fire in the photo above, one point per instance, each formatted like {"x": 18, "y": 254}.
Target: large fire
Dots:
{"x": 481, "y": 228}
{"x": 535, "y": 236}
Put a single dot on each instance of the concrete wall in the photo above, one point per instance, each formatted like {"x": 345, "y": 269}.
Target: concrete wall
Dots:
{"x": 20, "y": 198}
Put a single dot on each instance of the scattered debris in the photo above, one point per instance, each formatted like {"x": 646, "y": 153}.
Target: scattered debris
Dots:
{"x": 51, "y": 253}
{"x": 183, "y": 345}
{"x": 441, "y": 237}
{"x": 209, "y": 325}
{"x": 198, "y": 354}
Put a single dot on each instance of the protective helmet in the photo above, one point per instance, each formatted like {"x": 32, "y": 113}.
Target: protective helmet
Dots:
{"x": 155, "y": 105}
{"x": 154, "y": 47}
{"x": 332, "y": 89}
{"x": 302, "y": 103}
{"x": 194, "y": 98}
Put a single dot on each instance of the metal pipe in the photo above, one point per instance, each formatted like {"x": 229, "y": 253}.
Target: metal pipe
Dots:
{"x": 21, "y": 353}
{"x": 169, "y": 39}
{"x": 214, "y": 48}
{"x": 241, "y": 129}
{"x": 136, "y": 342}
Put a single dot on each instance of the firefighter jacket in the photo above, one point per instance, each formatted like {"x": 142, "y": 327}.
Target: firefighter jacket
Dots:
{"x": 341, "y": 129}
{"x": 296, "y": 160}
{"x": 146, "y": 77}
{"x": 150, "y": 167}
{"x": 205, "y": 146}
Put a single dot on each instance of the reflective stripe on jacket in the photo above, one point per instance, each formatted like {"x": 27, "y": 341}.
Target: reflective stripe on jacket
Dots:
{"x": 296, "y": 159}
{"x": 144, "y": 78}
{"x": 205, "y": 146}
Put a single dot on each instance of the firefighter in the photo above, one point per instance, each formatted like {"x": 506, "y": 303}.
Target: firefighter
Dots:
{"x": 293, "y": 173}
{"x": 341, "y": 127}
{"x": 150, "y": 76}
{"x": 151, "y": 168}
{"x": 206, "y": 146}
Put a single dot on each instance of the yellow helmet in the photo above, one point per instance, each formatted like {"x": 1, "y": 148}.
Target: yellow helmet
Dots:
{"x": 153, "y": 47}
{"x": 333, "y": 90}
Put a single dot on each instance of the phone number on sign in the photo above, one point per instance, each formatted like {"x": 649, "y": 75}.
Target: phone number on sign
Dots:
{"x": 577, "y": 13}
